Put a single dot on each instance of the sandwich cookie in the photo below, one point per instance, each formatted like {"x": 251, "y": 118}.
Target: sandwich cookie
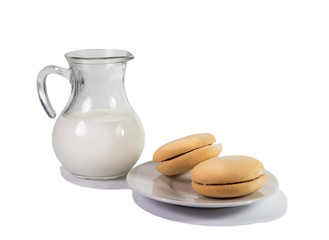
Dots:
{"x": 183, "y": 154}
{"x": 228, "y": 176}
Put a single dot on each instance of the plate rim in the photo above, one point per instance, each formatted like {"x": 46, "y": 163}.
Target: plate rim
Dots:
{"x": 195, "y": 204}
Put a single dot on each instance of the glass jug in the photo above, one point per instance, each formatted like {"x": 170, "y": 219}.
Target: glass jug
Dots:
{"x": 98, "y": 135}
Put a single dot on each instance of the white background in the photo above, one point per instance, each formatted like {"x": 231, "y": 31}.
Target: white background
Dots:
{"x": 253, "y": 73}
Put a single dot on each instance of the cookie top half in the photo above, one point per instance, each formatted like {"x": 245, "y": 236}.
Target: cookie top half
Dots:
{"x": 182, "y": 145}
{"x": 227, "y": 170}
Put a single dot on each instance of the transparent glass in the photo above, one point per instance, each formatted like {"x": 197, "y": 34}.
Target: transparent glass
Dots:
{"x": 98, "y": 135}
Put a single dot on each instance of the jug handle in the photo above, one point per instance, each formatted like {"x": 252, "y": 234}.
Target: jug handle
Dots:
{"x": 42, "y": 89}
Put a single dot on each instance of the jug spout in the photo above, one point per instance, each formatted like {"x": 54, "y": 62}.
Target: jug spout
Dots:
{"x": 98, "y": 56}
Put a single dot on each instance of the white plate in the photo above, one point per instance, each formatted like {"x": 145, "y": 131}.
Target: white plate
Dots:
{"x": 146, "y": 180}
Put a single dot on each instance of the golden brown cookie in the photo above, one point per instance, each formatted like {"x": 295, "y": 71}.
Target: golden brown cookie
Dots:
{"x": 183, "y": 154}
{"x": 228, "y": 176}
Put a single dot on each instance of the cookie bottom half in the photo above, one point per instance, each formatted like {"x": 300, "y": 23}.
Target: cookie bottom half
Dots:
{"x": 230, "y": 190}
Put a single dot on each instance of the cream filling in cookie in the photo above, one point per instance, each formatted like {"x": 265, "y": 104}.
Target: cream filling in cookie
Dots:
{"x": 216, "y": 184}
{"x": 168, "y": 159}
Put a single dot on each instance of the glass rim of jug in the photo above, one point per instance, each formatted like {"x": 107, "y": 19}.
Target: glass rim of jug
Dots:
{"x": 97, "y": 56}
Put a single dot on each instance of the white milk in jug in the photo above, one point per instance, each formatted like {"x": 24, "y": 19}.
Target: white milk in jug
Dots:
{"x": 98, "y": 143}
